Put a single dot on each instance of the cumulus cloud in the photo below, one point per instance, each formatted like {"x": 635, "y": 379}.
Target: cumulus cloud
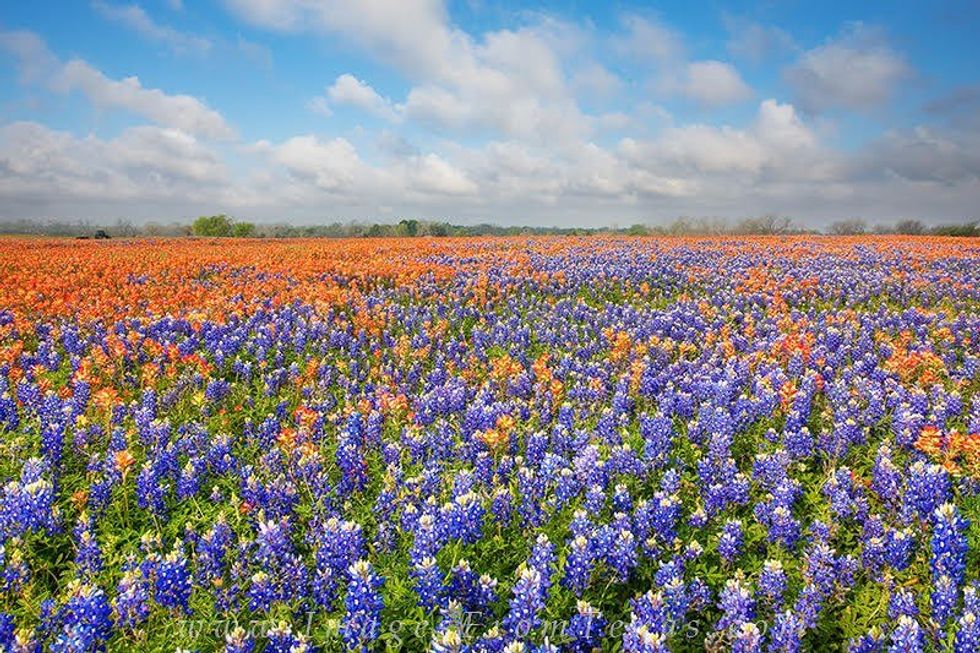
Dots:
{"x": 35, "y": 60}
{"x": 922, "y": 154}
{"x": 509, "y": 80}
{"x": 142, "y": 163}
{"x": 348, "y": 89}
{"x": 776, "y": 142}
{"x": 183, "y": 112}
{"x": 858, "y": 70}
{"x": 410, "y": 34}
{"x": 648, "y": 39}
{"x": 135, "y": 18}
{"x": 754, "y": 41}
{"x": 334, "y": 166}
{"x": 714, "y": 83}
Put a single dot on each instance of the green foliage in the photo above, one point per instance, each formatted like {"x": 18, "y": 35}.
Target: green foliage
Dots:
{"x": 222, "y": 226}
{"x": 243, "y": 230}
{"x": 212, "y": 226}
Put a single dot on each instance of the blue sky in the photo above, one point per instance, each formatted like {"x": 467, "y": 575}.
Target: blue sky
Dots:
{"x": 569, "y": 113}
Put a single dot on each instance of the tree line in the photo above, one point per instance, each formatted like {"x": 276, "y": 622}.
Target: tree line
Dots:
{"x": 224, "y": 226}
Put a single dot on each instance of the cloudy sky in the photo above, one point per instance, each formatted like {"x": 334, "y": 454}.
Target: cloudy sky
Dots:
{"x": 566, "y": 113}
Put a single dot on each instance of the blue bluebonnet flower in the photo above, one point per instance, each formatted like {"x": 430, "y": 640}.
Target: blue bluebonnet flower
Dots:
{"x": 967, "y": 639}
{"x": 949, "y": 543}
{"x": 281, "y": 639}
{"x": 132, "y": 603}
{"x": 526, "y": 604}
{"x": 872, "y": 642}
{"x": 88, "y": 555}
{"x": 543, "y": 559}
{"x": 585, "y": 629}
{"x": 772, "y": 582}
{"x": 736, "y": 604}
{"x": 786, "y": 634}
{"x": 261, "y": 592}
{"x": 86, "y": 621}
{"x": 748, "y": 639}
{"x": 648, "y": 626}
{"x": 172, "y": 580}
{"x": 928, "y": 487}
{"x": 944, "y": 598}
{"x": 899, "y": 547}
{"x": 902, "y": 602}
{"x": 907, "y": 637}
{"x": 731, "y": 540}
{"x": 428, "y": 583}
{"x": 239, "y": 641}
{"x": 578, "y": 565}
{"x": 623, "y": 557}
{"x": 338, "y": 545}
{"x": 361, "y": 623}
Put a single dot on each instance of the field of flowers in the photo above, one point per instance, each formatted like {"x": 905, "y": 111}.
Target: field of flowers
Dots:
{"x": 484, "y": 445}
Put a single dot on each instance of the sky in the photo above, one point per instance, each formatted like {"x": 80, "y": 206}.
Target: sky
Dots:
{"x": 551, "y": 113}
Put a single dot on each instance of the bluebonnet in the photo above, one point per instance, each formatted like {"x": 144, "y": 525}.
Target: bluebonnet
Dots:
{"x": 731, "y": 540}
{"x": 526, "y": 603}
{"x": 132, "y": 603}
{"x": 85, "y": 620}
{"x": 578, "y": 565}
{"x": 772, "y": 582}
{"x": 585, "y": 628}
{"x": 361, "y": 623}
{"x": 907, "y": 636}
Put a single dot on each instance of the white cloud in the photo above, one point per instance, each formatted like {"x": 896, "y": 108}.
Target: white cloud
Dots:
{"x": 756, "y": 42}
{"x": 857, "y": 70}
{"x": 777, "y": 143}
{"x": 647, "y": 39}
{"x": 184, "y": 112}
{"x": 714, "y": 83}
{"x": 320, "y": 106}
{"x": 181, "y": 111}
{"x": 135, "y": 18}
{"x": 410, "y": 34}
{"x": 143, "y": 163}
{"x": 594, "y": 81}
{"x": 35, "y": 60}
{"x": 510, "y": 81}
{"x": 347, "y": 89}
{"x": 922, "y": 154}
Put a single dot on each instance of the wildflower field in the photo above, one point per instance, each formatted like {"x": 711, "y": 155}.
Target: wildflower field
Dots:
{"x": 483, "y": 445}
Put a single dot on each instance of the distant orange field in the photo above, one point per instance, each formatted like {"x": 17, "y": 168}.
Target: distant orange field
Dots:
{"x": 215, "y": 278}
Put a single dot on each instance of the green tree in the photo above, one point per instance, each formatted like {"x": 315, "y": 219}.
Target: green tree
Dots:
{"x": 408, "y": 228}
{"x": 212, "y": 226}
{"x": 243, "y": 230}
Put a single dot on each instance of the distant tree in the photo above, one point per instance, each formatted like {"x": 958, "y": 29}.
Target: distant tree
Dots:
{"x": 124, "y": 229}
{"x": 213, "y": 226}
{"x": 910, "y": 227}
{"x": 966, "y": 229}
{"x": 408, "y": 228}
{"x": 766, "y": 225}
{"x": 852, "y": 227}
{"x": 679, "y": 227}
{"x": 243, "y": 230}
{"x": 637, "y": 230}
